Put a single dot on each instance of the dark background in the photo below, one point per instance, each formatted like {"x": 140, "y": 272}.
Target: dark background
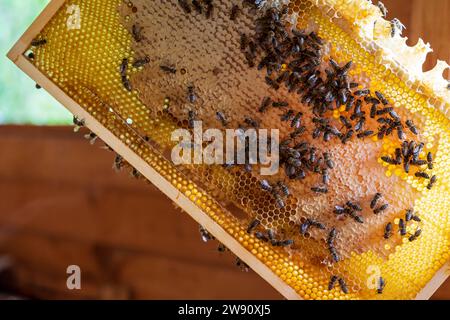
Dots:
{"x": 61, "y": 204}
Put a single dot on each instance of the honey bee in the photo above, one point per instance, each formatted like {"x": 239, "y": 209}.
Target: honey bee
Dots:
{"x": 349, "y": 104}
{"x": 401, "y": 135}
{"x": 137, "y": 33}
{"x": 141, "y": 62}
{"x": 221, "y": 117}
{"x": 284, "y": 189}
{"x": 205, "y": 235}
{"x": 79, "y": 123}
{"x": 343, "y": 285}
{"x": 430, "y": 160}
{"x": 432, "y": 182}
{"x": 328, "y": 161}
{"x": 354, "y": 206}
{"x": 412, "y": 127}
{"x": 124, "y": 67}
{"x": 381, "y": 132}
{"x": 272, "y": 83}
{"x": 334, "y": 254}
{"x": 356, "y": 217}
{"x": 371, "y": 100}
{"x": 243, "y": 41}
{"x": 38, "y": 42}
{"x": 197, "y": 6}
{"x": 332, "y": 283}
{"x": 209, "y": 9}
{"x": 296, "y": 121}
{"x": 280, "y": 104}
{"x": 382, "y": 8}
{"x": 92, "y": 137}
{"x": 284, "y": 243}
{"x": 365, "y": 134}
{"x": 396, "y": 26}
{"x": 126, "y": 83}
{"x": 297, "y": 132}
{"x": 251, "y": 122}
{"x": 279, "y": 201}
{"x": 168, "y": 69}
{"x": 191, "y": 95}
{"x": 381, "y": 285}
{"x": 388, "y": 230}
{"x": 325, "y": 176}
{"x": 340, "y": 210}
{"x": 316, "y": 224}
{"x": 398, "y": 155}
{"x": 421, "y": 174}
{"x": 347, "y": 136}
{"x": 253, "y": 225}
{"x": 409, "y": 214}
{"x": 381, "y": 97}
{"x": 234, "y": 12}
{"x": 375, "y": 199}
{"x": 135, "y": 173}
{"x": 415, "y": 235}
{"x": 320, "y": 189}
{"x": 406, "y": 166}
{"x": 418, "y": 162}
{"x": 287, "y": 115}
{"x": 389, "y": 160}
{"x": 331, "y": 237}
{"x": 304, "y": 227}
{"x": 373, "y": 111}
{"x": 261, "y": 236}
{"x": 118, "y": 162}
{"x": 265, "y": 103}
{"x": 381, "y": 208}
{"x": 383, "y": 111}
{"x": 300, "y": 175}
{"x": 185, "y": 6}
{"x": 316, "y": 133}
{"x": 402, "y": 227}
{"x": 284, "y": 76}
{"x": 345, "y": 122}
{"x": 270, "y": 234}
{"x": 191, "y": 118}
{"x": 362, "y": 93}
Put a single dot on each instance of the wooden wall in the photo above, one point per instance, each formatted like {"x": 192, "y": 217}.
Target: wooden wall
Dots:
{"x": 61, "y": 204}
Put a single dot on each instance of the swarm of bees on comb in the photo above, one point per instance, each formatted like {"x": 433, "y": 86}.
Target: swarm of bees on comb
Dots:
{"x": 335, "y": 109}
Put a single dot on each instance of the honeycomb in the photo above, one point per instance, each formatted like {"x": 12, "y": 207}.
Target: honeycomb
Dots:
{"x": 85, "y": 64}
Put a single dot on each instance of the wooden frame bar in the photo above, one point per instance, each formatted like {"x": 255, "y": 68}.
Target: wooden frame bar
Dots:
{"x": 17, "y": 57}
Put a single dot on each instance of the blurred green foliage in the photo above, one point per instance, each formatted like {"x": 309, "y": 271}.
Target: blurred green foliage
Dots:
{"x": 20, "y": 101}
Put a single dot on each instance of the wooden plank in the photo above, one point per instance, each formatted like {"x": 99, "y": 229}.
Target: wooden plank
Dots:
{"x": 41, "y": 261}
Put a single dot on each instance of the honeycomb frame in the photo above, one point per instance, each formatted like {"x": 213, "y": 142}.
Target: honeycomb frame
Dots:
{"x": 196, "y": 202}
